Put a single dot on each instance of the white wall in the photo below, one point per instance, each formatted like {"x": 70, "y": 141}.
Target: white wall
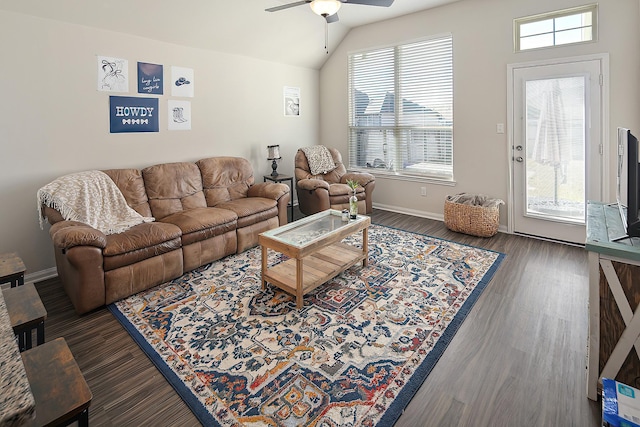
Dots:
{"x": 53, "y": 121}
{"x": 483, "y": 46}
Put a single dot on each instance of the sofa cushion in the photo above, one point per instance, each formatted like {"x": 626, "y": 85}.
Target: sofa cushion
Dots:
{"x": 202, "y": 223}
{"x": 251, "y": 210}
{"x": 225, "y": 178}
{"x": 131, "y": 185}
{"x": 173, "y": 187}
{"x": 140, "y": 242}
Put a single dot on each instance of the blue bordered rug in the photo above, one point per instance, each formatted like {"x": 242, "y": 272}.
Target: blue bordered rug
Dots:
{"x": 355, "y": 354}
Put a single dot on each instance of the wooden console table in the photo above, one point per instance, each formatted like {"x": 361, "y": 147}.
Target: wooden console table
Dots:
{"x": 614, "y": 300}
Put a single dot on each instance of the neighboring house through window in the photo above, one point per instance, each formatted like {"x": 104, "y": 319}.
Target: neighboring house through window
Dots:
{"x": 401, "y": 109}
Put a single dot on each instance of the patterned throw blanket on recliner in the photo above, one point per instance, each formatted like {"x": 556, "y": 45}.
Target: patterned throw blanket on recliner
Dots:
{"x": 90, "y": 197}
{"x": 319, "y": 159}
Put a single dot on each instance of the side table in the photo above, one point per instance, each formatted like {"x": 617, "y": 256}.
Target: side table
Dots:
{"x": 11, "y": 269}
{"x": 283, "y": 178}
{"x": 61, "y": 393}
{"x": 26, "y": 313}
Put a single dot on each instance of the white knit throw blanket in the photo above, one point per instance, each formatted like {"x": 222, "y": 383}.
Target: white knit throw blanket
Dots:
{"x": 319, "y": 159}
{"x": 90, "y": 197}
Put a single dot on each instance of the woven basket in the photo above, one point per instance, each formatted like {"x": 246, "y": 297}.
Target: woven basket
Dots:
{"x": 474, "y": 220}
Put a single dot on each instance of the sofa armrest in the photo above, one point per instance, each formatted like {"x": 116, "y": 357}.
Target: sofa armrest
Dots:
{"x": 312, "y": 184}
{"x": 268, "y": 190}
{"x": 67, "y": 234}
{"x": 363, "y": 178}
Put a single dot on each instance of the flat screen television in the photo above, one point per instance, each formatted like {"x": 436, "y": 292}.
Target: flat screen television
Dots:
{"x": 629, "y": 181}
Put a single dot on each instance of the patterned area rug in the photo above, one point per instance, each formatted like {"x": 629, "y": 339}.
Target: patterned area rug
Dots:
{"x": 353, "y": 356}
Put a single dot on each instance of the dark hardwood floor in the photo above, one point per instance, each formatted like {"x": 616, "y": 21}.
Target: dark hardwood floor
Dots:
{"x": 517, "y": 360}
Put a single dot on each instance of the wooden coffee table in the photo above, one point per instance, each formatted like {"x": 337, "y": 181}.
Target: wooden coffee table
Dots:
{"x": 315, "y": 250}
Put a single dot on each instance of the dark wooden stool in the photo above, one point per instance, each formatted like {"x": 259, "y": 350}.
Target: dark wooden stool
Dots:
{"x": 26, "y": 313}
{"x": 62, "y": 395}
{"x": 11, "y": 269}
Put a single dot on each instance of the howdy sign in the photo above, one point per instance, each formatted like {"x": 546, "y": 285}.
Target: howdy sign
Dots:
{"x": 130, "y": 114}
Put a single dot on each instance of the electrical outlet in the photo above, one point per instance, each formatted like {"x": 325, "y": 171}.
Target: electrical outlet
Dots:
{"x": 500, "y": 128}
{"x": 423, "y": 191}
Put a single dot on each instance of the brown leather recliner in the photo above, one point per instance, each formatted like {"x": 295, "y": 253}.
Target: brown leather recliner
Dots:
{"x": 317, "y": 193}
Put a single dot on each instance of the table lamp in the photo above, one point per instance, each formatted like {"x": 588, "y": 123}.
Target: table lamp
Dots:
{"x": 274, "y": 155}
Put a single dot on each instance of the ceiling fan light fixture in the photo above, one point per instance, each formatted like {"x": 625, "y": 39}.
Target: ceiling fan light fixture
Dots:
{"x": 325, "y": 7}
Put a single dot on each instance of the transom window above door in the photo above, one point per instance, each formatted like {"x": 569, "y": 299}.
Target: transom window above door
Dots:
{"x": 562, "y": 27}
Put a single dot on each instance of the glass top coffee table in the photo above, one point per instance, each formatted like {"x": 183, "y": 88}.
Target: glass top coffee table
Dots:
{"x": 315, "y": 250}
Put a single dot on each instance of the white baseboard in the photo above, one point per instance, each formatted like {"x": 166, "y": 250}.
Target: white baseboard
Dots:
{"x": 412, "y": 212}
{"x": 41, "y": 275}
{"x": 35, "y": 277}
{"x": 422, "y": 214}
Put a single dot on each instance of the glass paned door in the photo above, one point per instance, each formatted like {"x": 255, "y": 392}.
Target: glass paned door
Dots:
{"x": 555, "y": 148}
{"x": 556, "y": 142}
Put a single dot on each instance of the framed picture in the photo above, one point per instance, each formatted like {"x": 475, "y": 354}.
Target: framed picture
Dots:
{"x": 113, "y": 74}
{"x": 133, "y": 114}
{"x": 179, "y": 116}
{"x": 150, "y": 78}
{"x": 182, "y": 82}
{"x": 291, "y": 101}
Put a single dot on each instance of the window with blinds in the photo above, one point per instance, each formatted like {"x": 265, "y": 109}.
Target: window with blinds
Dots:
{"x": 401, "y": 109}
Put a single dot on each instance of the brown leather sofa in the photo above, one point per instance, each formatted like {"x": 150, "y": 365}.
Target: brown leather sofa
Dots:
{"x": 330, "y": 190}
{"x": 203, "y": 211}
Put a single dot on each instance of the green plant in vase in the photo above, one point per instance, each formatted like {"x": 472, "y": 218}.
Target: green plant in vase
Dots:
{"x": 353, "y": 200}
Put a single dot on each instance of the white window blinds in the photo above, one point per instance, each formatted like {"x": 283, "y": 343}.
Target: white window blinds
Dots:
{"x": 401, "y": 109}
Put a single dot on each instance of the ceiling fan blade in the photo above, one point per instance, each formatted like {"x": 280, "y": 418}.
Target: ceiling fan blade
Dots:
{"x": 384, "y": 3}
{"x": 287, "y": 6}
{"x": 332, "y": 18}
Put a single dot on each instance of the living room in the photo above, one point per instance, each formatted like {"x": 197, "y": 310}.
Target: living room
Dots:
{"x": 55, "y": 122}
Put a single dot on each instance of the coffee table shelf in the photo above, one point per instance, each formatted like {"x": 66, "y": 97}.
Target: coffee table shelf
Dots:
{"x": 317, "y": 253}
{"x": 317, "y": 268}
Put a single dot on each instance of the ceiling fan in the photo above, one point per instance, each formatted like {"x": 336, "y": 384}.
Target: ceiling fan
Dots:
{"x": 328, "y": 8}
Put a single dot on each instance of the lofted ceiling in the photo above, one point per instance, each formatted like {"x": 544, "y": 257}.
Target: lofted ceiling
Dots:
{"x": 293, "y": 36}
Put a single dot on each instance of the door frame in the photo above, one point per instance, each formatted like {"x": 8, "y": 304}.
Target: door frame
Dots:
{"x": 605, "y": 179}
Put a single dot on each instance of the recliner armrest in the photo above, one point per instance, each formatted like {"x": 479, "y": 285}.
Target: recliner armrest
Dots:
{"x": 363, "y": 178}
{"x": 67, "y": 234}
{"x": 312, "y": 184}
{"x": 268, "y": 190}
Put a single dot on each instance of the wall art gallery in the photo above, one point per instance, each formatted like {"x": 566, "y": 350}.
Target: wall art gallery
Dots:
{"x": 141, "y": 113}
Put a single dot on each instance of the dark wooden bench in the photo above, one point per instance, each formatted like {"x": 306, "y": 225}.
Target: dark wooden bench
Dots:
{"x": 61, "y": 393}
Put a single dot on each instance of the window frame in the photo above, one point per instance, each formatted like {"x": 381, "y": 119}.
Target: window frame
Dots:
{"x": 519, "y": 22}
{"x": 396, "y": 128}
